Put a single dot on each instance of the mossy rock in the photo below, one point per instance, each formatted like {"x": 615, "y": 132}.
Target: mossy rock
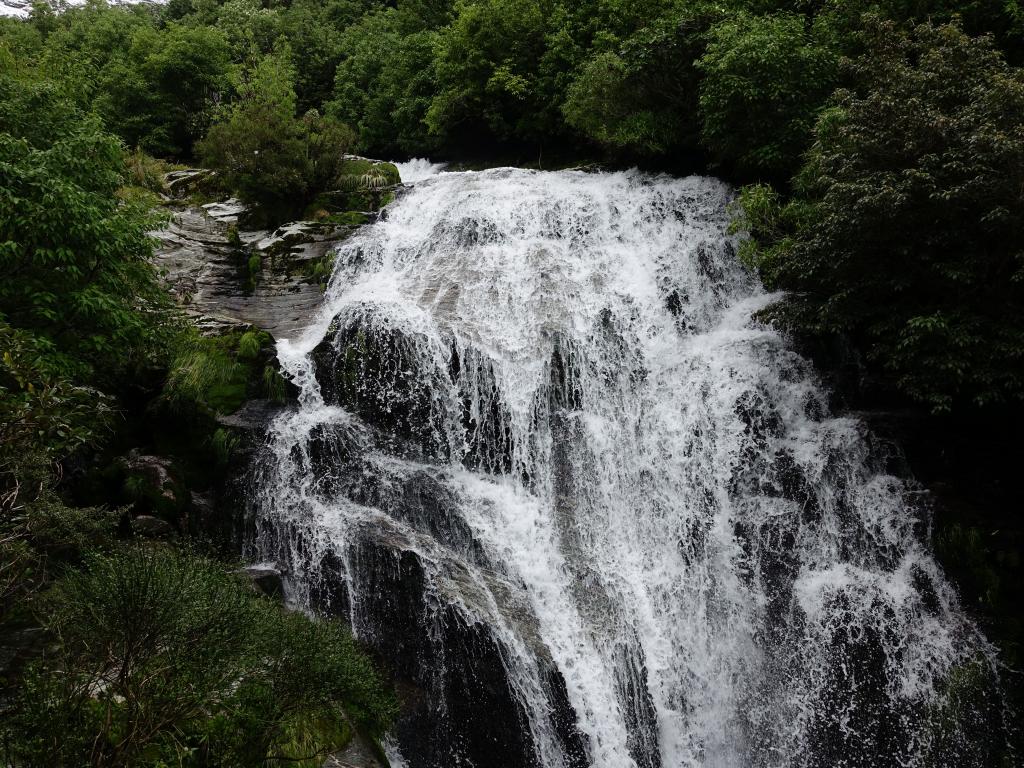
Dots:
{"x": 345, "y": 200}
{"x": 154, "y": 486}
{"x": 377, "y": 373}
{"x": 349, "y": 218}
{"x": 220, "y": 373}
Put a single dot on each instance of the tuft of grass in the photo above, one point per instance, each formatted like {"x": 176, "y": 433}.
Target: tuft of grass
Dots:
{"x": 223, "y": 444}
{"x": 251, "y": 343}
{"x": 145, "y": 172}
{"x": 204, "y": 373}
{"x": 274, "y": 384}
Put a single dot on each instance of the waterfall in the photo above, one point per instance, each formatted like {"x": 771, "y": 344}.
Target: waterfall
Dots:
{"x": 591, "y": 512}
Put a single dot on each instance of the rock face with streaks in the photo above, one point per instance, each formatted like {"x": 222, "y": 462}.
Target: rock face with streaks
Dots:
{"x": 228, "y": 278}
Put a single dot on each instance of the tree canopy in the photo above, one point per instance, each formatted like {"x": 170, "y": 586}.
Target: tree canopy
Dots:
{"x": 905, "y": 226}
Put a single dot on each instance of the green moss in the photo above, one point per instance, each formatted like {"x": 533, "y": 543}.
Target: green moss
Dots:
{"x": 349, "y": 218}
{"x": 965, "y": 715}
{"x": 217, "y": 374}
{"x": 227, "y": 397}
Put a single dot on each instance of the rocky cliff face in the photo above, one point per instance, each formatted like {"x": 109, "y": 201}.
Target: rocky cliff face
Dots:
{"x": 227, "y": 276}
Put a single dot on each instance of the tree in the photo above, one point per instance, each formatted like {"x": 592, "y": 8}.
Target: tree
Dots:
{"x": 906, "y": 231}
{"x": 642, "y": 96}
{"x": 74, "y": 257}
{"x": 263, "y": 151}
{"x": 765, "y": 78}
{"x": 385, "y": 84}
{"x": 487, "y": 78}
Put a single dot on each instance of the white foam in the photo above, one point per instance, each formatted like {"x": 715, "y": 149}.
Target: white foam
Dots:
{"x": 694, "y": 524}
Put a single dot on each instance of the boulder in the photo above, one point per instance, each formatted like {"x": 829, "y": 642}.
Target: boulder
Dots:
{"x": 155, "y": 487}
{"x": 376, "y": 371}
{"x": 149, "y": 527}
{"x": 265, "y": 578}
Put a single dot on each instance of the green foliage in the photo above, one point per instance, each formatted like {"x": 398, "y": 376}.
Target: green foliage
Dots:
{"x": 74, "y": 257}
{"x": 385, "y": 84}
{"x": 151, "y": 85}
{"x": 263, "y": 151}
{"x": 642, "y": 96}
{"x": 250, "y": 28}
{"x": 158, "y": 96}
{"x": 486, "y": 74}
{"x": 765, "y": 78}
{"x": 905, "y": 232}
{"x": 41, "y": 412}
{"x": 232, "y": 236}
{"x": 43, "y": 419}
{"x": 39, "y": 533}
{"x": 165, "y": 659}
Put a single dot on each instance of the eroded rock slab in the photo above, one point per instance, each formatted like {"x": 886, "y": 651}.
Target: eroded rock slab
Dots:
{"x": 227, "y": 278}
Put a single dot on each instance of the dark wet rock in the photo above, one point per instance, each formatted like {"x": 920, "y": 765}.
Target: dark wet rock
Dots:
{"x": 266, "y": 578}
{"x": 638, "y": 707}
{"x": 360, "y": 752}
{"x": 203, "y": 512}
{"x": 459, "y": 706}
{"x": 253, "y": 417}
{"x": 219, "y": 514}
{"x": 377, "y": 372}
{"x": 149, "y": 527}
{"x": 488, "y": 428}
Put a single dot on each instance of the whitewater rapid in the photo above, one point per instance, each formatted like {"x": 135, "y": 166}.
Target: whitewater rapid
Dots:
{"x": 641, "y": 486}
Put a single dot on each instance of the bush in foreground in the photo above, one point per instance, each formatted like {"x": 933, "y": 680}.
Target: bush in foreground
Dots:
{"x": 165, "y": 659}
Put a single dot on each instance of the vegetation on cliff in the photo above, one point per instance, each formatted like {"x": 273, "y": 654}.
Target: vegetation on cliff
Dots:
{"x": 153, "y": 654}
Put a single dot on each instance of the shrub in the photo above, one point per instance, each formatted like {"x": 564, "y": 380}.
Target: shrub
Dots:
{"x": 266, "y": 154}
{"x": 145, "y": 172}
{"x": 166, "y": 659}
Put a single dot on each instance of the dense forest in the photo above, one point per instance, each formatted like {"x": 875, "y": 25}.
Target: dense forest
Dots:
{"x": 878, "y": 153}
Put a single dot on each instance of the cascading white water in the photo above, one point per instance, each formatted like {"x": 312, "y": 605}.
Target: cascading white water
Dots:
{"x": 641, "y": 486}
{"x": 418, "y": 169}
